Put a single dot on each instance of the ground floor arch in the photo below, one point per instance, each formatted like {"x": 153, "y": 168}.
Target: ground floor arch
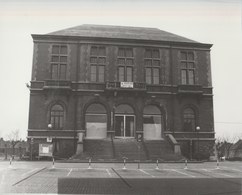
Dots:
{"x": 96, "y": 121}
{"x": 152, "y": 123}
{"x": 124, "y": 121}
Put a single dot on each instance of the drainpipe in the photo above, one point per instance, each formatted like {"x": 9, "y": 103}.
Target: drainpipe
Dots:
{"x": 76, "y": 97}
{"x": 172, "y": 96}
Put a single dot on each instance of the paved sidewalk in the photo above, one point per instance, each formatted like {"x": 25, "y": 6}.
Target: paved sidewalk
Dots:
{"x": 115, "y": 178}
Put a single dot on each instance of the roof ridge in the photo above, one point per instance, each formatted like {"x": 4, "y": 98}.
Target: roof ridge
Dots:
{"x": 107, "y": 25}
{"x": 121, "y": 32}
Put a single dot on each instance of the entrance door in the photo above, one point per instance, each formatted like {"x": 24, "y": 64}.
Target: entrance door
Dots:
{"x": 124, "y": 126}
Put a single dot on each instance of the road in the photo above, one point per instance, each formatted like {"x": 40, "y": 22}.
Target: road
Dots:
{"x": 115, "y": 178}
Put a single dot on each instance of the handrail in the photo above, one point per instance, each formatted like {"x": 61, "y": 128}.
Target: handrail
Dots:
{"x": 176, "y": 145}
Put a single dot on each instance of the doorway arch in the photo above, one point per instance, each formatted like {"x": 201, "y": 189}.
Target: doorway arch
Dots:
{"x": 124, "y": 121}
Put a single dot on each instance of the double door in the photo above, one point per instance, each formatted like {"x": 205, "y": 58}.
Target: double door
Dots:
{"x": 124, "y": 125}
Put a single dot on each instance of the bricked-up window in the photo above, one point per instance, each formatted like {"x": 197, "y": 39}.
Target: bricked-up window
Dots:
{"x": 152, "y": 66}
{"x": 57, "y": 116}
{"x": 58, "y": 62}
{"x": 96, "y": 121}
{"x": 125, "y": 64}
{"x": 152, "y": 122}
{"x": 97, "y": 63}
{"x": 187, "y": 68}
{"x": 189, "y": 119}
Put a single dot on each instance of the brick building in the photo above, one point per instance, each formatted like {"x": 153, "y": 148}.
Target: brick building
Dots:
{"x": 114, "y": 84}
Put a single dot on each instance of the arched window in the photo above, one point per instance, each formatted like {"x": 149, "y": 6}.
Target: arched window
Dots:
{"x": 152, "y": 122}
{"x": 96, "y": 121}
{"x": 57, "y": 116}
{"x": 189, "y": 119}
{"x": 124, "y": 109}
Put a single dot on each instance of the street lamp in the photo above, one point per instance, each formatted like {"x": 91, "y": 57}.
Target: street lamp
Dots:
{"x": 197, "y": 130}
{"x": 49, "y": 126}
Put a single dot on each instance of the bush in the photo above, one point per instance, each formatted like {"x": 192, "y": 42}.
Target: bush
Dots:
{"x": 234, "y": 159}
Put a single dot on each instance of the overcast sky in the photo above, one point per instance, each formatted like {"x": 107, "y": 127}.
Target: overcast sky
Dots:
{"x": 209, "y": 21}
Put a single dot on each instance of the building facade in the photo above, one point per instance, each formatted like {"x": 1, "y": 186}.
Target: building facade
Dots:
{"x": 110, "y": 82}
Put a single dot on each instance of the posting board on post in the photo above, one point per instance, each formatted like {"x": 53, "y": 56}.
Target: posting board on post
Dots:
{"x": 45, "y": 149}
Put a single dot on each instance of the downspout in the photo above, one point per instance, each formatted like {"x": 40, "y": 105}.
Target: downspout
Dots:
{"x": 76, "y": 97}
{"x": 172, "y": 95}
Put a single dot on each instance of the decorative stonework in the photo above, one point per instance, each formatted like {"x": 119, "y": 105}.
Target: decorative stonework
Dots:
{"x": 209, "y": 74}
{"x": 35, "y": 61}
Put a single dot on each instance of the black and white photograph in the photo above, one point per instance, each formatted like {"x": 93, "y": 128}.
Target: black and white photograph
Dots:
{"x": 121, "y": 97}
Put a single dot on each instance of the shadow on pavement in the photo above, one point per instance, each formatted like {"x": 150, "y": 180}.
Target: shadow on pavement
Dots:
{"x": 161, "y": 186}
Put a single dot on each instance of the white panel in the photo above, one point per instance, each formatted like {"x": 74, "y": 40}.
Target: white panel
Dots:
{"x": 152, "y": 131}
{"x": 96, "y": 130}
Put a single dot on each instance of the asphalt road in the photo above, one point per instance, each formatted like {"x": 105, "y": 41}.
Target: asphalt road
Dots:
{"x": 114, "y": 178}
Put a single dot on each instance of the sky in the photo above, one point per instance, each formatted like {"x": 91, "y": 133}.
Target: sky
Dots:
{"x": 208, "y": 21}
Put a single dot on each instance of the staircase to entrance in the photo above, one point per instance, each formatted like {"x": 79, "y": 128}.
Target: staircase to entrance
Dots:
{"x": 129, "y": 148}
{"x": 118, "y": 148}
{"x": 97, "y": 149}
{"x": 161, "y": 150}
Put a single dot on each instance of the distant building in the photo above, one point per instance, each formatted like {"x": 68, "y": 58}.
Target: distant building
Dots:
{"x": 111, "y": 82}
{"x": 235, "y": 151}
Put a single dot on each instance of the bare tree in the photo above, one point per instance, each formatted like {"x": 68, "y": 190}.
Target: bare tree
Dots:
{"x": 224, "y": 144}
{"x": 14, "y": 139}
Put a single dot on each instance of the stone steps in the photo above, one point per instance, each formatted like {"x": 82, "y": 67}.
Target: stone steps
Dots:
{"x": 161, "y": 149}
{"x": 116, "y": 149}
{"x": 129, "y": 148}
{"x": 97, "y": 149}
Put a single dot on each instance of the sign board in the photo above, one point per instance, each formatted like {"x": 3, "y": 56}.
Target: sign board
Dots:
{"x": 140, "y": 137}
{"x": 45, "y": 149}
{"x": 49, "y": 139}
{"x": 127, "y": 85}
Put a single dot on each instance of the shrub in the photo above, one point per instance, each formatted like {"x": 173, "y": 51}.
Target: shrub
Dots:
{"x": 235, "y": 159}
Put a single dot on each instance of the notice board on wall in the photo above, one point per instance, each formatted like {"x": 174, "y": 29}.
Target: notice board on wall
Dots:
{"x": 45, "y": 149}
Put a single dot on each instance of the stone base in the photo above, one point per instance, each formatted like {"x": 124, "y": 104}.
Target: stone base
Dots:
{"x": 79, "y": 148}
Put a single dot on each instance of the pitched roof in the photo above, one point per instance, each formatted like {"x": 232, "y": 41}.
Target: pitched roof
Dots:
{"x": 121, "y": 32}
{"x": 237, "y": 145}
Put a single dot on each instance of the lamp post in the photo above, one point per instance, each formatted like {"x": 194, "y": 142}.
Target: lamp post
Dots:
{"x": 139, "y": 141}
{"x": 31, "y": 148}
{"x": 191, "y": 150}
{"x": 197, "y": 130}
{"x": 113, "y": 122}
{"x": 49, "y": 128}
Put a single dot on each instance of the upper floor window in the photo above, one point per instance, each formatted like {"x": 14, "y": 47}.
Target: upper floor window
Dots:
{"x": 152, "y": 66}
{"x": 57, "y": 116}
{"x": 187, "y": 68}
{"x": 97, "y": 63}
{"x": 189, "y": 121}
{"x": 125, "y": 64}
{"x": 58, "y": 62}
